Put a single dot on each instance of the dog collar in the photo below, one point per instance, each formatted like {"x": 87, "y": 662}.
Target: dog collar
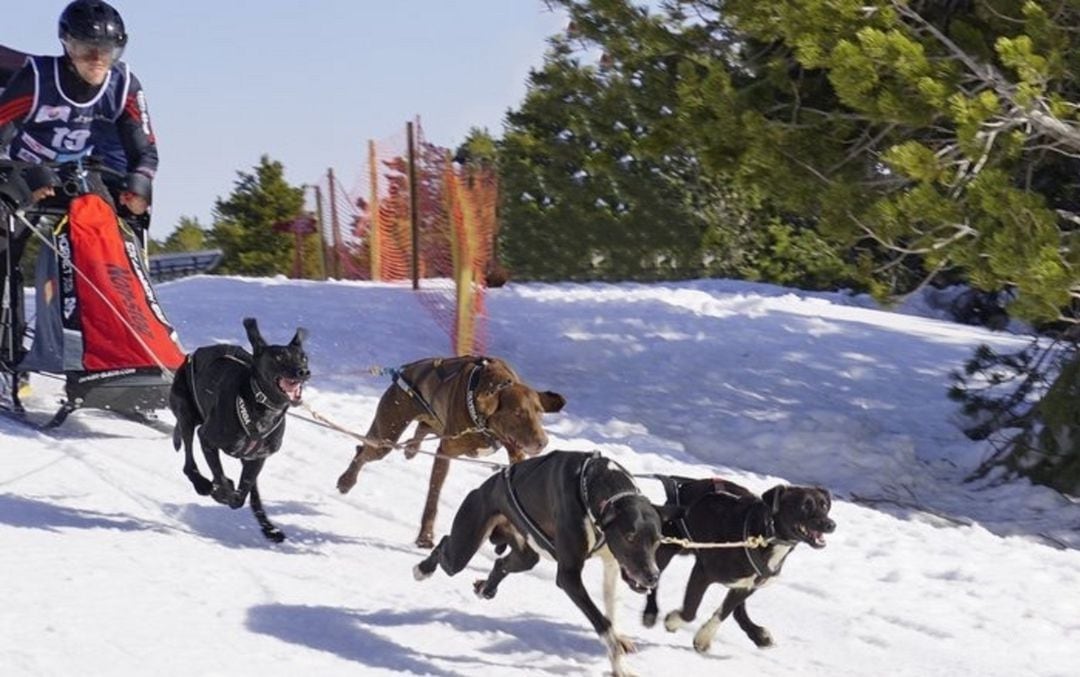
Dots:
{"x": 605, "y": 504}
{"x": 264, "y": 399}
{"x": 479, "y": 422}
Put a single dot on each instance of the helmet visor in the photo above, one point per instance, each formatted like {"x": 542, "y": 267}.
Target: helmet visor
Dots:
{"x": 81, "y": 50}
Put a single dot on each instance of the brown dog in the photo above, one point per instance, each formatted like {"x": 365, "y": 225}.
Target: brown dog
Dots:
{"x": 472, "y": 403}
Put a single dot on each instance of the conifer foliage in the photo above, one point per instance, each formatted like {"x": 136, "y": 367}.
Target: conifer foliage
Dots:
{"x": 913, "y": 141}
{"x": 244, "y": 222}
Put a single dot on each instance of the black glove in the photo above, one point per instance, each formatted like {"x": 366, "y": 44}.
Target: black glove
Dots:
{"x": 14, "y": 192}
{"x": 21, "y": 182}
{"x": 40, "y": 176}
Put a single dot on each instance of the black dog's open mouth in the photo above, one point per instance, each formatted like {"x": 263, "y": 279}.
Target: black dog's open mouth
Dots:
{"x": 293, "y": 388}
{"x": 816, "y": 539}
{"x": 632, "y": 582}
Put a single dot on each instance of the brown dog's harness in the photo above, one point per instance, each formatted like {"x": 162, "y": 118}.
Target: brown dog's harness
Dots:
{"x": 479, "y": 422}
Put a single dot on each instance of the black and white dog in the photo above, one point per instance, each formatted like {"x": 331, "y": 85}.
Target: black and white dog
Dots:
{"x": 237, "y": 403}
{"x": 572, "y": 505}
{"x": 720, "y": 511}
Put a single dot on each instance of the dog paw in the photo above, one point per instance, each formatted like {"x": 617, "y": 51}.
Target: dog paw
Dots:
{"x": 222, "y": 492}
{"x": 762, "y": 638}
{"x": 236, "y": 500}
{"x": 673, "y": 621}
{"x": 419, "y": 573}
{"x": 626, "y": 644}
{"x": 481, "y": 589}
{"x": 203, "y": 486}
{"x": 648, "y": 619}
{"x": 345, "y": 483}
{"x": 273, "y": 534}
{"x": 702, "y": 645}
{"x": 425, "y": 541}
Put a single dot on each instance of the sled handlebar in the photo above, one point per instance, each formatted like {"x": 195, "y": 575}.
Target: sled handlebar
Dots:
{"x": 70, "y": 178}
{"x": 67, "y": 167}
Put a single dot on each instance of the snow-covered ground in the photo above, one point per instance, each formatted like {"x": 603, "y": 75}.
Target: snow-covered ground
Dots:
{"x": 111, "y": 565}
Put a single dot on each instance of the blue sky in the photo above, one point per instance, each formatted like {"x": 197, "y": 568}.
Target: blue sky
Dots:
{"x": 306, "y": 82}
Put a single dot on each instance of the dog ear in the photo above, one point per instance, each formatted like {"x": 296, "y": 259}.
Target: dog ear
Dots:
{"x": 772, "y": 498}
{"x": 253, "y": 334}
{"x": 552, "y": 402}
{"x": 670, "y": 513}
{"x": 299, "y": 338}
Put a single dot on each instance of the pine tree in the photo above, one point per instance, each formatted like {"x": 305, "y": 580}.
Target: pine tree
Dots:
{"x": 244, "y": 222}
{"x": 189, "y": 236}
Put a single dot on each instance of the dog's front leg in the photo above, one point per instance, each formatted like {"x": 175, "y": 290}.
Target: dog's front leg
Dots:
{"x": 757, "y": 634}
{"x": 248, "y": 477}
{"x": 704, "y": 636}
{"x": 268, "y": 529}
{"x": 568, "y": 579}
{"x": 663, "y": 557}
{"x": 695, "y": 591}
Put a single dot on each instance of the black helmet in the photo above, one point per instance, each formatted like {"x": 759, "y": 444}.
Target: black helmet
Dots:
{"x": 94, "y": 22}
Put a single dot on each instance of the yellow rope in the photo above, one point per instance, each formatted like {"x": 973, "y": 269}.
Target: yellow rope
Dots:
{"x": 319, "y": 419}
{"x": 754, "y": 541}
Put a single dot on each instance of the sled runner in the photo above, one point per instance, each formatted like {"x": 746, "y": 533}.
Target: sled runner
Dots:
{"x": 97, "y": 321}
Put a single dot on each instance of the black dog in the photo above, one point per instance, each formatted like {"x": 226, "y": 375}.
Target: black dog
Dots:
{"x": 237, "y": 402}
{"x": 719, "y": 511}
{"x": 573, "y": 505}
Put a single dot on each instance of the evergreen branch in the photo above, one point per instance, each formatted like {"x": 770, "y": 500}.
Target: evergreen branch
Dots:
{"x": 1038, "y": 116}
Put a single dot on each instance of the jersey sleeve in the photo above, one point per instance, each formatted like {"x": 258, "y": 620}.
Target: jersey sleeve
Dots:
{"x": 16, "y": 100}
{"x": 137, "y": 138}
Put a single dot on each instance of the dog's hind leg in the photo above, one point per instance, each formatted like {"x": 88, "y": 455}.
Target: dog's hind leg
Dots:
{"x": 521, "y": 558}
{"x": 186, "y": 433}
{"x": 395, "y": 412}
{"x": 431, "y": 506}
{"x": 757, "y": 634}
{"x": 271, "y": 532}
{"x": 471, "y": 526}
{"x": 704, "y": 636}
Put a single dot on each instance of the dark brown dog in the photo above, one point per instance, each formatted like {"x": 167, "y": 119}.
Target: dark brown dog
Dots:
{"x": 719, "y": 511}
{"x": 473, "y": 403}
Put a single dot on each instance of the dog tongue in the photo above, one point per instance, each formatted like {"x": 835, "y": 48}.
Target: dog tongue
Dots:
{"x": 293, "y": 388}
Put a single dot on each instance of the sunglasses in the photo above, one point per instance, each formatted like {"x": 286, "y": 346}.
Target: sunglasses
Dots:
{"x": 89, "y": 51}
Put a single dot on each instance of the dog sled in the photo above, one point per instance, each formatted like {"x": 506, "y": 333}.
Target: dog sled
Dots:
{"x": 97, "y": 323}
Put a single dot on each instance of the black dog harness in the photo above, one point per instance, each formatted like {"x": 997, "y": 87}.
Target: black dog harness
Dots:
{"x": 598, "y": 523}
{"x": 255, "y": 433}
{"x": 756, "y": 559}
